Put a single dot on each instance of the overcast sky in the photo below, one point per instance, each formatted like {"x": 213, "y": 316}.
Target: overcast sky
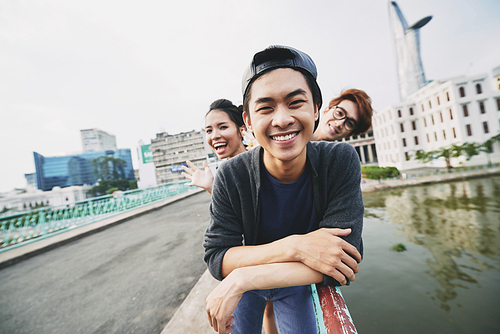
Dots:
{"x": 135, "y": 68}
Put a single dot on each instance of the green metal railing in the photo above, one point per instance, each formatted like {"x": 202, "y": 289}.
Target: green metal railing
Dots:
{"x": 21, "y": 228}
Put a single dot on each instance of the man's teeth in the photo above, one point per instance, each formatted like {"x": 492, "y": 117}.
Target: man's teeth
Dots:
{"x": 283, "y": 138}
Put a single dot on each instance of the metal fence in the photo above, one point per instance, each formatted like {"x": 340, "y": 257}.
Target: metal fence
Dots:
{"x": 28, "y": 226}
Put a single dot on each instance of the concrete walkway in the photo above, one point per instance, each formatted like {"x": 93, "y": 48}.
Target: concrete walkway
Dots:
{"x": 128, "y": 278}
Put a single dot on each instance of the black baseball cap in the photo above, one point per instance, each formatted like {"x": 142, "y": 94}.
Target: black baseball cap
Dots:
{"x": 278, "y": 56}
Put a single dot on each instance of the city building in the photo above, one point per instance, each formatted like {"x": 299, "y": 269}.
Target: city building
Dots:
{"x": 71, "y": 170}
{"x": 454, "y": 111}
{"x": 365, "y": 146}
{"x": 146, "y": 170}
{"x": 31, "y": 181}
{"x": 170, "y": 152}
{"x": 95, "y": 140}
{"x": 411, "y": 76}
{"x": 32, "y": 200}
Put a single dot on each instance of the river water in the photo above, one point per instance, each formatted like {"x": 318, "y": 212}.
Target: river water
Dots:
{"x": 448, "y": 279}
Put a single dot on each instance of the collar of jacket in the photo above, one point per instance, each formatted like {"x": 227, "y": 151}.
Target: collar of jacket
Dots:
{"x": 312, "y": 160}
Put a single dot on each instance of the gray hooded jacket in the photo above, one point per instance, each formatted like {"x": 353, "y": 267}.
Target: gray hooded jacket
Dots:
{"x": 235, "y": 207}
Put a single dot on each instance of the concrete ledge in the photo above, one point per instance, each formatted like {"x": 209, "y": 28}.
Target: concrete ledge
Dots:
{"x": 191, "y": 316}
{"x": 24, "y": 251}
{"x": 430, "y": 179}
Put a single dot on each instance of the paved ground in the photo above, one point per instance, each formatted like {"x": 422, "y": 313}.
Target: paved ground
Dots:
{"x": 129, "y": 278}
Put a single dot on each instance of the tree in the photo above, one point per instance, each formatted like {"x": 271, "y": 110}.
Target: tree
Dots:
{"x": 469, "y": 150}
{"x": 108, "y": 168}
{"x": 110, "y": 172}
{"x": 453, "y": 151}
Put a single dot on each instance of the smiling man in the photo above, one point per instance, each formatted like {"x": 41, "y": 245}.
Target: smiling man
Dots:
{"x": 286, "y": 214}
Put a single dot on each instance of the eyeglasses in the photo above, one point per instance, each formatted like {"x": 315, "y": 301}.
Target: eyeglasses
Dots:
{"x": 340, "y": 113}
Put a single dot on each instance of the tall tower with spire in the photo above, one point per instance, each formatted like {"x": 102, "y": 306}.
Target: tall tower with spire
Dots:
{"x": 411, "y": 76}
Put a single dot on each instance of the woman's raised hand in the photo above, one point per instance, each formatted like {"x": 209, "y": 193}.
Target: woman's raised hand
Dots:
{"x": 199, "y": 178}
{"x": 250, "y": 140}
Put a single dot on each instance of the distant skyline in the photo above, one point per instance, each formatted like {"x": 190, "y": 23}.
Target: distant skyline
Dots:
{"x": 133, "y": 69}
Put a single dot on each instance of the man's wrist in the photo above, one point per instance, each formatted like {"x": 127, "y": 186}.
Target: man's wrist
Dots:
{"x": 292, "y": 248}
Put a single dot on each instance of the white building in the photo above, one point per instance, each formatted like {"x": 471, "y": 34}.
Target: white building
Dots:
{"x": 458, "y": 110}
{"x": 28, "y": 201}
{"x": 365, "y": 146}
{"x": 170, "y": 152}
{"x": 147, "y": 171}
{"x": 95, "y": 140}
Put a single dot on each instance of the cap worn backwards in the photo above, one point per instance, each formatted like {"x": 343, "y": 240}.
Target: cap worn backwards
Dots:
{"x": 278, "y": 56}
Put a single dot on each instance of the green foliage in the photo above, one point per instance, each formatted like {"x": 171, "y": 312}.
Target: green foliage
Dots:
{"x": 105, "y": 186}
{"x": 132, "y": 184}
{"x": 398, "y": 247}
{"x": 468, "y": 150}
{"x": 111, "y": 173}
{"x": 376, "y": 173}
{"x": 108, "y": 168}
{"x": 112, "y": 190}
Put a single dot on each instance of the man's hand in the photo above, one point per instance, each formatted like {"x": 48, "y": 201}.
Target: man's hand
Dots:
{"x": 323, "y": 250}
{"x": 221, "y": 303}
{"x": 199, "y": 178}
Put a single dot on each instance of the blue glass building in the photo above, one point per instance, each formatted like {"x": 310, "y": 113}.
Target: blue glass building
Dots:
{"x": 74, "y": 170}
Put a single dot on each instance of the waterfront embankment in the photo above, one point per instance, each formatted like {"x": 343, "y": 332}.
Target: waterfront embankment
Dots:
{"x": 411, "y": 180}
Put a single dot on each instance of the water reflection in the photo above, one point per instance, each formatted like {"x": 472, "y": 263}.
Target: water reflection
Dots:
{"x": 456, "y": 222}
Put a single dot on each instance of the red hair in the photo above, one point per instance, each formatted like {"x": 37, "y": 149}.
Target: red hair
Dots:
{"x": 365, "y": 110}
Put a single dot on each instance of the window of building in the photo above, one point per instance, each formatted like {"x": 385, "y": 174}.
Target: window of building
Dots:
{"x": 386, "y": 132}
{"x": 444, "y": 134}
{"x": 362, "y": 136}
{"x": 416, "y": 140}
{"x": 411, "y": 110}
{"x": 498, "y": 104}
{"x": 430, "y": 105}
{"x": 466, "y": 111}
{"x": 422, "y": 107}
{"x": 428, "y": 140}
{"x": 402, "y": 127}
{"x": 404, "y": 142}
{"x": 432, "y": 119}
{"x": 451, "y": 115}
{"x": 435, "y": 136}
{"x": 385, "y": 146}
{"x": 390, "y": 114}
{"x": 425, "y": 122}
{"x": 395, "y": 146}
{"x": 407, "y": 157}
{"x": 481, "y": 107}
{"x": 447, "y": 97}
{"x": 462, "y": 91}
{"x": 374, "y": 152}
{"x": 439, "y": 103}
{"x": 414, "y": 125}
{"x": 478, "y": 89}
{"x": 383, "y": 117}
{"x": 485, "y": 127}
{"x": 399, "y": 113}
{"x": 469, "y": 130}
{"x": 370, "y": 134}
{"x": 454, "y": 133}
{"x": 441, "y": 115}
{"x": 389, "y": 145}
{"x": 392, "y": 128}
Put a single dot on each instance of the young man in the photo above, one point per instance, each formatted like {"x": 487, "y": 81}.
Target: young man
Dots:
{"x": 286, "y": 214}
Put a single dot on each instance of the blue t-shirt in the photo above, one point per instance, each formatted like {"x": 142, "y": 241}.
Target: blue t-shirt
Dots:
{"x": 286, "y": 208}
